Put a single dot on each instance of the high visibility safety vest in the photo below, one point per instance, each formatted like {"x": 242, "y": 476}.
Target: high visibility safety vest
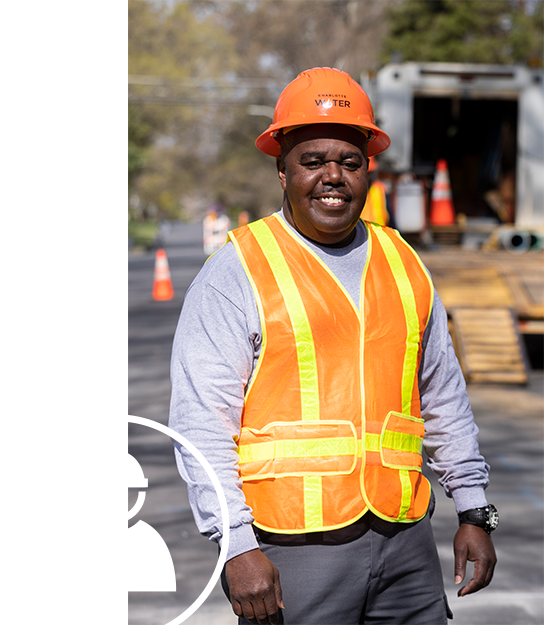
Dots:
{"x": 331, "y": 424}
{"x": 375, "y": 209}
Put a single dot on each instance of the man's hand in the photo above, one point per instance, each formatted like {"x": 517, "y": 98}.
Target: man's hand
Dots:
{"x": 254, "y": 586}
{"x": 472, "y": 543}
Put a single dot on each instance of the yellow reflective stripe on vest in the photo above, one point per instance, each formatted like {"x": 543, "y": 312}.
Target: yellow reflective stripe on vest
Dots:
{"x": 312, "y": 448}
{"x": 406, "y": 498}
{"x": 307, "y": 367}
{"x": 305, "y": 448}
{"x": 309, "y": 388}
{"x": 372, "y": 444}
{"x": 410, "y": 313}
{"x": 313, "y": 502}
{"x": 402, "y": 442}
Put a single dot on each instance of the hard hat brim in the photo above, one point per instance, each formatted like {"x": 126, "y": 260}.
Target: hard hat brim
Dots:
{"x": 269, "y": 145}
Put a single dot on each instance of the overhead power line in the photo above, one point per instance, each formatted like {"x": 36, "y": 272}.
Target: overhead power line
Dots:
{"x": 202, "y": 91}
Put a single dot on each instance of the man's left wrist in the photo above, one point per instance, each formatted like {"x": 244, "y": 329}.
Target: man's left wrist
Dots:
{"x": 486, "y": 517}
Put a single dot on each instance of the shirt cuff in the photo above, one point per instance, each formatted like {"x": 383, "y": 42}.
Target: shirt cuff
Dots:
{"x": 468, "y": 498}
{"x": 241, "y": 539}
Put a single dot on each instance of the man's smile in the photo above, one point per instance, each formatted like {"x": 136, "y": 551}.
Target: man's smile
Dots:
{"x": 332, "y": 201}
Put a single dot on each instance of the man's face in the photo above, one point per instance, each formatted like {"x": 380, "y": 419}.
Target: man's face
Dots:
{"x": 323, "y": 171}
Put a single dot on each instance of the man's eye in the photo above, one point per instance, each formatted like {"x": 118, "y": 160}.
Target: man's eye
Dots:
{"x": 350, "y": 165}
{"x": 312, "y": 164}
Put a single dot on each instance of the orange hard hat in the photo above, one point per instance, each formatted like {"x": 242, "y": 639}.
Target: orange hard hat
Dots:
{"x": 372, "y": 164}
{"x": 323, "y": 95}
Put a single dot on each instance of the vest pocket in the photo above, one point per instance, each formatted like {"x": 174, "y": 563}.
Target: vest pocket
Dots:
{"x": 401, "y": 442}
{"x": 303, "y": 448}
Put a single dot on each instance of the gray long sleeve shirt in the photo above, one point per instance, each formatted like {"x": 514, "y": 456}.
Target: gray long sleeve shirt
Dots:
{"x": 216, "y": 347}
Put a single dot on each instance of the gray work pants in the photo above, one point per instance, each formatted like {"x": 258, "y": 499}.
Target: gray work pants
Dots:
{"x": 389, "y": 575}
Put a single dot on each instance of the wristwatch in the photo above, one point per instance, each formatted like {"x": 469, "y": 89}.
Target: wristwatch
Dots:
{"x": 486, "y": 518}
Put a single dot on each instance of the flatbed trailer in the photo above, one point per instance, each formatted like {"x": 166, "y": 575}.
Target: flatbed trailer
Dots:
{"x": 492, "y": 298}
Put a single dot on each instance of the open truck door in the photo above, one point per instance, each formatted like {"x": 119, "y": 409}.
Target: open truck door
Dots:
{"x": 485, "y": 120}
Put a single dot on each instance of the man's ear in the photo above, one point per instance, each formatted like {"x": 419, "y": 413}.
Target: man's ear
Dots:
{"x": 280, "y": 166}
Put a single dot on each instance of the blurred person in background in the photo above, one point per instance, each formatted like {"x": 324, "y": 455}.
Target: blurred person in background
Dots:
{"x": 377, "y": 207}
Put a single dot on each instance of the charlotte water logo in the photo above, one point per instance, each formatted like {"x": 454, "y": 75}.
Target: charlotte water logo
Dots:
{"x": 63, "y": 526}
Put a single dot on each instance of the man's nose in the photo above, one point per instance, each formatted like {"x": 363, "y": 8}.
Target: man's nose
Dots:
{"x": 333, "y": 173}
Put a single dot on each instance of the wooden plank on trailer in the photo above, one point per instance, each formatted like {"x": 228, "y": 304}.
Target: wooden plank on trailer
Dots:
{"x": 488, "y": 345}
{"x": 521, "y": 276}
{"x": 499, "y": 378}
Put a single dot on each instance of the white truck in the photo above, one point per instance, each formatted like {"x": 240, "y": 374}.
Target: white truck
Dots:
{"x": 487, "y": 121}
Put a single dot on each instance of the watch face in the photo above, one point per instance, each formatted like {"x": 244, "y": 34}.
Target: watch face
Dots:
{"x": 492, "y": 517}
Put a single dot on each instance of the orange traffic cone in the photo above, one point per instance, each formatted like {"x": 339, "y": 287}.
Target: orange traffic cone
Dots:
{"x": 442, "y": 212}
{"x": 162, "y": 282}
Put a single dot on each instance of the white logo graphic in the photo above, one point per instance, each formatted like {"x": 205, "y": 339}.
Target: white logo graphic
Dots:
{"x": 150, "y": 564}
{"x": 63, "y": 526}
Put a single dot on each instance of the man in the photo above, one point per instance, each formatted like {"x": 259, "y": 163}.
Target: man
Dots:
{"x": 312, "y": 362}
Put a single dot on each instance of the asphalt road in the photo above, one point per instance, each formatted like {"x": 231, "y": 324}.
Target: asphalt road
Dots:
{"x": 511, "y": 438}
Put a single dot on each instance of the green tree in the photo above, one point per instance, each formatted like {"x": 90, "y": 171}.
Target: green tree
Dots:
{"x": 467, "y": 31}
{"x": 169, "y": 143}
{"x": 141, "y": 130}
{"x": 285, "y": 37}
